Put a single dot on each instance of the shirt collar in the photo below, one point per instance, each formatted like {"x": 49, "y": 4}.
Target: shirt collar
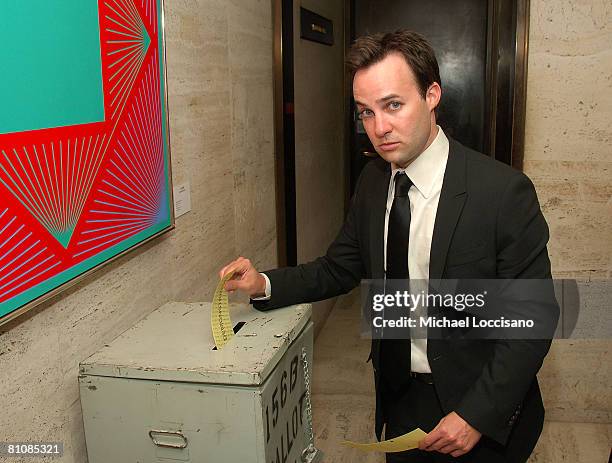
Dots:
{"x": 426, "y": 168}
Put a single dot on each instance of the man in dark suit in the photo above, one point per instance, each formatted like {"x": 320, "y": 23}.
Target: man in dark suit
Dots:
{"x": 429, "y": 208}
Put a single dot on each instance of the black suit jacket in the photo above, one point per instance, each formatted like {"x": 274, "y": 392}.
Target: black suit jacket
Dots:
{"x": 488, "y": 225}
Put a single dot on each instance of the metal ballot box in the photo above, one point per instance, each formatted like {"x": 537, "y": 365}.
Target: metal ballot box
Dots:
{"x": 160, "y": 392}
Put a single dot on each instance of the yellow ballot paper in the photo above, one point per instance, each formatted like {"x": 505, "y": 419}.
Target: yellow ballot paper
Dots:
{"x": 220, "y": 320}
{"x": 407, "y": 441}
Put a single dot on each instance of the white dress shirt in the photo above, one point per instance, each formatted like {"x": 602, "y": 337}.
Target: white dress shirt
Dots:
{"x": 426, "y": 173}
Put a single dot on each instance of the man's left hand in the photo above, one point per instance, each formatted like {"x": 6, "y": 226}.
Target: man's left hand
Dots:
{"x": 452, "y": 435}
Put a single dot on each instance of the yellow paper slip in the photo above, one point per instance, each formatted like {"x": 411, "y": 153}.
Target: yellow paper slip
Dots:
{"x": 220, "y": 320}
{"x": 408, "y": 441}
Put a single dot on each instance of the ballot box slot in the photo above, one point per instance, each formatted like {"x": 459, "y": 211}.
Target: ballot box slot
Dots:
{"x": 237, "y": 327}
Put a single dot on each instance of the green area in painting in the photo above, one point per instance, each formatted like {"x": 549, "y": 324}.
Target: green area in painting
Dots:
{"x": 50, "y": 64}
{"x": 63, "y": 236}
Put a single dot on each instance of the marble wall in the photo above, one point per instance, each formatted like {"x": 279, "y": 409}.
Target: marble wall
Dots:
{"x": 319, "y": 138}
{"x": 568, "y": 151}
{"x": 568, "y": 155}
{"x": 219, "y": 55}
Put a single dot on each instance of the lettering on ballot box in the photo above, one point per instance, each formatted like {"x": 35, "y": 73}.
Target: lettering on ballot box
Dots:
{"x": 161, "y": 392}
{"x": 284, "y": 407}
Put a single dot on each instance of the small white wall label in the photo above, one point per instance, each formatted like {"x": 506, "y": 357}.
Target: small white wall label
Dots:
{"x": 182, "y": 199}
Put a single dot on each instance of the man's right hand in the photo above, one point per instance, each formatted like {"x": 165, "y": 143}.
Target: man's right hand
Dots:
{"x": 246, "y": 278}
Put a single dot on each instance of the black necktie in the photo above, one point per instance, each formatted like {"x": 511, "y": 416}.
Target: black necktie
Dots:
{"x": 395, "y": 353}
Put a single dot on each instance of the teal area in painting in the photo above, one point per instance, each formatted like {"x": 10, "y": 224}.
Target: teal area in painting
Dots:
{"x": 50, "y": 64}
{"x": 63, "y": 236}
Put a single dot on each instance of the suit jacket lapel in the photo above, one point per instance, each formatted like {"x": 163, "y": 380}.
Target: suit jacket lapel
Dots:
{"x": 452, "y": 199}
{"x": 377, "y": 220}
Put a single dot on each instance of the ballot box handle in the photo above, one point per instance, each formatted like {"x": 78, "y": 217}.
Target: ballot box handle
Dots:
{"x": 169, "y": 439}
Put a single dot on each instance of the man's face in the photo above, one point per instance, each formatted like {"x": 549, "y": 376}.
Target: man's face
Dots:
{"x": 398, "y": 120}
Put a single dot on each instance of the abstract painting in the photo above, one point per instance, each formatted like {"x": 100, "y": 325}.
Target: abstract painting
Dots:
{"x": 84, "y": 146}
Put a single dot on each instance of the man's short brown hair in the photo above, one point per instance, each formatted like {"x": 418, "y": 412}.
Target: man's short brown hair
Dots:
{"x": 415, "y": 49}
